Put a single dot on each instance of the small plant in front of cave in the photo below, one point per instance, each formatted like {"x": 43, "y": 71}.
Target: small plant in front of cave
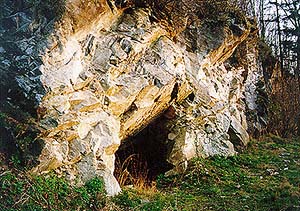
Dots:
{"x": 133, "y": 171}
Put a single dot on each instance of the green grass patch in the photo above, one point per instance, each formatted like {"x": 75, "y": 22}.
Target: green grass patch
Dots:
{"x": 266, "y": 177}
{"x": 49, "y": 192}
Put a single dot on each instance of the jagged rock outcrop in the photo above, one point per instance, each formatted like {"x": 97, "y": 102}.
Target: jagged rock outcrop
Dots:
{"x": 108, "y": 72}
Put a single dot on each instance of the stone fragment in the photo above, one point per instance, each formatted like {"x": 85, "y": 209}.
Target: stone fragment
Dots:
{"x": 239, "y": 131}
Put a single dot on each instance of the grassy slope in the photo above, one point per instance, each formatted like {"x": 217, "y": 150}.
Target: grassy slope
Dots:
{"x": 266, "y": 176}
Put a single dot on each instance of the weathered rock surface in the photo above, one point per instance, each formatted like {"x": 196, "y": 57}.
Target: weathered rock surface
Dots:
{"x": 107, "y": 73}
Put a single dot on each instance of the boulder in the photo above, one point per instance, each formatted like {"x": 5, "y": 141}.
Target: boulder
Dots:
{"x": 107, "y": 72}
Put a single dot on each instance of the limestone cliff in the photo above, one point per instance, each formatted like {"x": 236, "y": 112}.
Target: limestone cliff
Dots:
{"x": 106, "y": 72}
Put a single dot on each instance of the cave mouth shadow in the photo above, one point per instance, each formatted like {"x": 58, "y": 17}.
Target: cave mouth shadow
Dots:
{"x": 141, "y": 158}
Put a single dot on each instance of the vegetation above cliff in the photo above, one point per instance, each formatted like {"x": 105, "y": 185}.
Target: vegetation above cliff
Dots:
{"x": 263, "y": 177}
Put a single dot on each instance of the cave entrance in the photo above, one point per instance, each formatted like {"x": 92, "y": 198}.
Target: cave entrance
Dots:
{"x": 142, "y": 157}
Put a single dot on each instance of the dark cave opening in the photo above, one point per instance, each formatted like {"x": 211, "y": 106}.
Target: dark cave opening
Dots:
{"x": 142, "y": 157}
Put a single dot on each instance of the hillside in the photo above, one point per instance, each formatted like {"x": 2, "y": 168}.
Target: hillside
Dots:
{"x": 152, "y": 104}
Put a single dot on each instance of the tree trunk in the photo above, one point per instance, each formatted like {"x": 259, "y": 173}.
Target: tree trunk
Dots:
{"x": 279, "y": 36}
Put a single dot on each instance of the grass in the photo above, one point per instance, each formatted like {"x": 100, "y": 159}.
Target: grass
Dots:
{"x": 266, "y": 176}
{"x": 19, "y": 192}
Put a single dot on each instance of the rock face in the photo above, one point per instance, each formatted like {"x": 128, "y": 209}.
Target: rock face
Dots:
{"x": 108, "y": 72}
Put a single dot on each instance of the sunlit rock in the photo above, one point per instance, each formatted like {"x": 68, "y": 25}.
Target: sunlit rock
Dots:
{"x": 107, "y": 73}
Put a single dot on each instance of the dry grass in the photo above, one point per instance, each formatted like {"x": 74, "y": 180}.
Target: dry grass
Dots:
{"x": 284, "y": 108}
{"x": 177, "y": 15}
{"x": 133, "y": 171}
